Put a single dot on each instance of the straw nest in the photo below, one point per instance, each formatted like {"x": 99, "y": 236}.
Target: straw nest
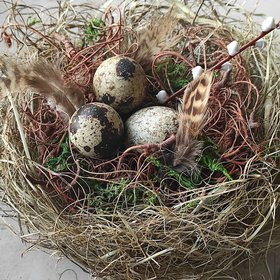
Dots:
{"x": 134, "y": 216}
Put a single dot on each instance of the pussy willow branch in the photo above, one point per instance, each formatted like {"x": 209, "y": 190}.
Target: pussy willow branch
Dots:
{"x": 228, "y": 58}
{"x": 244, "y": 47}
{"x": 155, "y": 147}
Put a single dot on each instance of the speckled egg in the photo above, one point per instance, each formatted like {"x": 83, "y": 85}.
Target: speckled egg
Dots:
{"x": 120, "y": 82}
{"x": 96, "y": 130}
{"x": 150, "y": 125}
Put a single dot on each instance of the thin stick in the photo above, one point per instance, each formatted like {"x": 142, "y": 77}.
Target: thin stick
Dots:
{"x": 244, "y": 47}
{"x": 228, "y": 58}
{"x": 196, "y": 14}
{"x": 19, "y": 125}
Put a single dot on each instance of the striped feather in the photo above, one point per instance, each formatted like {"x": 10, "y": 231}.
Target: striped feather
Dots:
{"x": 44, "y": 79}
{"x": 158, "y": 35}
{"x": 191, "y": 119}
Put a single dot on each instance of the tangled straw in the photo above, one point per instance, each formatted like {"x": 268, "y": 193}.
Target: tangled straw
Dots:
{"x": 133, "y": 216}
{"x": 230, "y": 124}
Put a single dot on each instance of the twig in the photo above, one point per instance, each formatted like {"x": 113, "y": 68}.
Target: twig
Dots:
{"x": 196, "y": 14}
{"x": 69, "y": 48}
{"x": 19, "y": 125}
{"x": 244, "y": 47}
{"x": 149, "y": 148}
{"x": 223, "y": 81}
{"x": 228, "y": 58}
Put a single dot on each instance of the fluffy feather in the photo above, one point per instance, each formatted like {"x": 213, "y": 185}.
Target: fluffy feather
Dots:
{"x": 157, "y": 35}
{"x": 11, "y": 76}
{"x": 191, "y": 119}
{"x": 44, "y": 79}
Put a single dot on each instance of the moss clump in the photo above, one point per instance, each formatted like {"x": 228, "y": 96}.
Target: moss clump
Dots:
{"x": 60, "y": 162}
{"x": 210, "y": 159}
{"x": 173, "y": 74}
{"x": 209, "y": 163}
{"x": 93, "y": 29}
{"x": 119, "y": 193}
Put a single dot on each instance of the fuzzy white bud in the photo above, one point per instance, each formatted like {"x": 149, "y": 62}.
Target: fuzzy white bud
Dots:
{"x": 197, "y": 71}
{"x": 268, "y": 24}
{"x": 261, "y": 44}
{"x": 233, "y": 48}
{"x": 162, "y": 96}
{"x": 2, "y": 75}
{"x": 51, "y": 102}
{"x": 227, "y": 66}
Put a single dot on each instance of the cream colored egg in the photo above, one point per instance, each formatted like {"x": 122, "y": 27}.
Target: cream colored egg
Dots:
{"x": 150, "y": 125}
{"x": 96, "y": 130}
{"x": 120, "y": 82}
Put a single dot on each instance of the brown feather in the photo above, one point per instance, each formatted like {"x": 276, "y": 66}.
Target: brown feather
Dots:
{"x": 191, "y": 119}
{"x": 44, "y": 79}
{"x": 48, "y": 81}
{"x": 158, "y": 35}
{"x": 11, "y": 76}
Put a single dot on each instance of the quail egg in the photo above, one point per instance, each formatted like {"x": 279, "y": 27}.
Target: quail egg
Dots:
{"x": 150, "y": 125}
{"x": 120, "y": 82}
{"x": 96, "y": 130}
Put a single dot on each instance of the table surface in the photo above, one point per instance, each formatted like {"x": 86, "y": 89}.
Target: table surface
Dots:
{"x": 18, "y": 261}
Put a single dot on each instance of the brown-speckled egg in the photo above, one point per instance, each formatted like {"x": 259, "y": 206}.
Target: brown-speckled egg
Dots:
{"x": 96, "y": 130}
{"x": 150, "y": 125}
{"x": 120, "y": 82}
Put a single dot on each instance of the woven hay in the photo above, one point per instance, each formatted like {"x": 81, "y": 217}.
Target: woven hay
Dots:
{"x": 167, "y": 233}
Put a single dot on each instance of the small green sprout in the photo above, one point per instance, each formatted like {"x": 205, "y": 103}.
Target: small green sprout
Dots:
{"x": 176, "y": 73}
{"x": 93, "y": 29}
{"x": 210, "y": 158}
{"x": 170, "y": 172}
{"x": 59, "y": 163}
{"x": 32, "y": 21}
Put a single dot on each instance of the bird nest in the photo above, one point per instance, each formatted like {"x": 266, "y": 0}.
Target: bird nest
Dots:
{"x": 135, "y": 216}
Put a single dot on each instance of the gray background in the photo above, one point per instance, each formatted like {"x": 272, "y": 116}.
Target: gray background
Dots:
{"x": 18, "y": 262}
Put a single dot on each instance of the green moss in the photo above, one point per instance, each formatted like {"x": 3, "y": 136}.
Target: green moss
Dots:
{"x": 93, "y": 29}
{"x": 209, "y": 163}
{"x": 151, "y": 198}
{"x": 32, "y": 21}
{"x": 104, "y": 196}
{"x": 192, "y": 204}
{"x": 60, "y": 163}
{"x": 107, "y": 196}
{"x": 176, "y": 73}
{"x": 210, "y": 158}
{"x": 184, "y": 181}
{"x": 217, "y": 74}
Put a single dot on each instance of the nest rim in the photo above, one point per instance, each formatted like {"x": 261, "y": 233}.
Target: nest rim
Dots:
{"x": 187, "y": 231}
